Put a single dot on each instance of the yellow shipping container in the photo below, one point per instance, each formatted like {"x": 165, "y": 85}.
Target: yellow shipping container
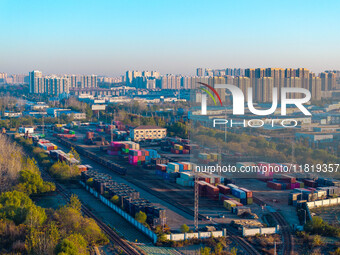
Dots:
{"x": 228, "y": 204}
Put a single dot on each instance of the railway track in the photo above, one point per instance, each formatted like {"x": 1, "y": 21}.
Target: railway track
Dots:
{"x": 288, "y": 247}
{"x": 247, "y": 247}
{"x": 288, "y": 243}
{"x": 112, "y": 235}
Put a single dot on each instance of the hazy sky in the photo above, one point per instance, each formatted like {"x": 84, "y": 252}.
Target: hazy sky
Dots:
{"x": 110, "y": 37}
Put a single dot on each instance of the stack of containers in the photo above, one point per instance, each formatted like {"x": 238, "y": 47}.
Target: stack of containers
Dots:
{"x": 177, "y": 149}
{"x": 204, "y": 157}
{"x": 48, "y": 146}
{"x": 137, "y": 157}
{"x": 228, "y": 204}
{"x": 126, "y": 146}
{"x": 190, "y": 147}
{"x": 310, "y": 183}
{"x": 294, "y": 197}
{"x": 327, "y": 182}
{"x": 160, "y": 169}
{"x": 152, "y": 154}
{"x": 115, "y": 148}
{"x": 157, "y": 161}
{"x": 249, "y": 196}
{"x": 215, "y": 157}
{"x": 211, "y": 192}
{"x": 274, "y": 185}
{"x": 224, "y": 189}
{"x": 240, "y": 194}
{"x": 185, "y": 179}
{"x": 173, "y": 168}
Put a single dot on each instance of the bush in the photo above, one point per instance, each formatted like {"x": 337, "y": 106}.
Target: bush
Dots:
{"x": 115, "y": 199}
{"x": 74, "y": 244}
{"x": 63, "y": 171}
{"x": 320, "y": 227}
{"x": 89, "y": 182}
{"x": 141, "y": 217}
{"x": 184, "y": 228}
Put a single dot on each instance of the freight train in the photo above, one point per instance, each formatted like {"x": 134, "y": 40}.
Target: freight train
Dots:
{"x": 127, "y": 198}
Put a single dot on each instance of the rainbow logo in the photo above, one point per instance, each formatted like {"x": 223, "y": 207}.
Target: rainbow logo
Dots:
{"x": 209, "y": 93}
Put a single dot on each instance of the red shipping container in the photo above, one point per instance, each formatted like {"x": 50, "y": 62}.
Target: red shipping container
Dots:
{"x": 274, "y": 185}
{"x": 223, "y": 189}
{"x": 248, "y": 192}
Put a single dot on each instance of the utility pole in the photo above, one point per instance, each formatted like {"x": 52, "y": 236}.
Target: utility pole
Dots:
{"x": 293, "y": 151}
{"x": 111, "y": 129}
{"x": 225, "y": 129}
{"x": 196, "y": 201}
{"x": 43, "y": 125}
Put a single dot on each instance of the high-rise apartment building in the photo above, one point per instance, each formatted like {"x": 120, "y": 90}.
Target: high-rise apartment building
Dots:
{"x": 315, "y": 87}
{"x": 55, "y": 86}
{"x": 89, "y": 81}
{"x": 169, "y": 82}
{"x": 199, "y": 72}
{"x": 36, "y": 82}
{"x": 3, "y": 77}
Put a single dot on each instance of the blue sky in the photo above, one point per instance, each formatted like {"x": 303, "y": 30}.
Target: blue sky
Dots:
{"x": 110, "y": 37}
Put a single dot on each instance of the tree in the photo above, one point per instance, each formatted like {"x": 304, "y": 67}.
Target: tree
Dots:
{"x": 317, "y": 241}
{"x": 36, "y": 216}
{"x": 233, "y": 251}
{"x": 74, "y": 153}
{"x": 69, "y": 219}
{"x": 184, "y": 228}
{"x": 141, "y": 217}
{"x": 205, "y": 251}
{"x": 75, "y": 202}
{"x": 115, "y": 199}
{"x": 63, "y": 171}
{"x": 92, "y": 232}
{"x": 14, "y": 205}
{"x": 336, "y": 252}
{"x": 32, "y": 183}
{"x": 74, "y": 244}
{"x": 89, "y": 182}
{"x": 218, "y": 248}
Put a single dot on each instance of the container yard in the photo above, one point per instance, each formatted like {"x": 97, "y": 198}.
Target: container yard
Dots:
{"x": 164, "y": 173}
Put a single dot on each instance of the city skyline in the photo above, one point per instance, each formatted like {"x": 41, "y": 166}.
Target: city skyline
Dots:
{"x": 173, "y": 37}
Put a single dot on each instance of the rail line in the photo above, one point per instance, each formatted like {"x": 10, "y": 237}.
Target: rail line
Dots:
{"x": 112, "y": 235}
{"x": 288, "y": 246}
{"x": 288, "y": 242}
{"x": 247, "y": 247}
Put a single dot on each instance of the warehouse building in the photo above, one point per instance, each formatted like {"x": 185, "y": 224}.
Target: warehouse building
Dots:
{"x": 147, "y": 133}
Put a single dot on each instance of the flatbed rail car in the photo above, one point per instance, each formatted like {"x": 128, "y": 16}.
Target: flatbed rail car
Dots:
{"x": 91, "y": 155}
